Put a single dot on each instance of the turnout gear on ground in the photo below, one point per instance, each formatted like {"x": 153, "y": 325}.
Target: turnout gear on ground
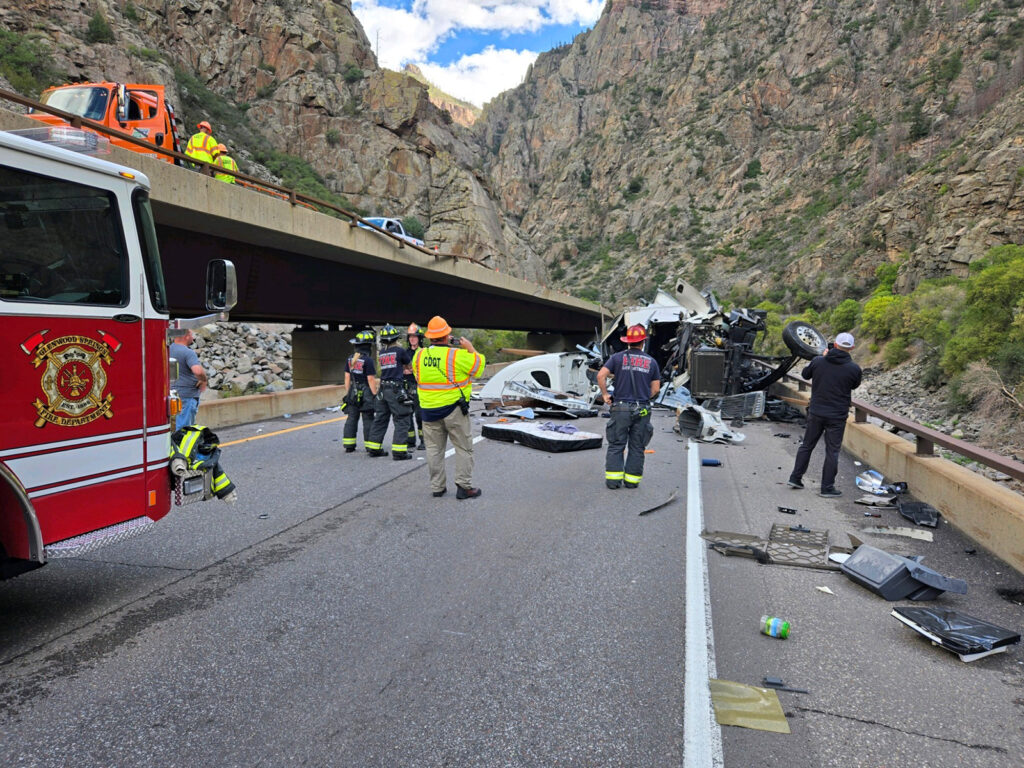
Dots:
{"x": 394, "y": 401}
{"x": 197, "y": 449}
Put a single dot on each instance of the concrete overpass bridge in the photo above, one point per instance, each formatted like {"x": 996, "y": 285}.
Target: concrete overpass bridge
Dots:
{"x": 297, "y": 265}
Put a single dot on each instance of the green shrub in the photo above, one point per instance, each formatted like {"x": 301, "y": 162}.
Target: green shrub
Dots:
{"x": 130, "y": 12}
{"x": 753, "y": 169}
{"x": 886, "y": 275}
{"x": 352, "y": 73}
{"x": 414, "y": 227}
{"x": 896, "y": 352}
{"x": 333, "y": 137}
{"x": 845, "y": 316}
{"x": 881, "y": 316}
{"x": 26, "y": 63}
{"x": 99, "y": 30}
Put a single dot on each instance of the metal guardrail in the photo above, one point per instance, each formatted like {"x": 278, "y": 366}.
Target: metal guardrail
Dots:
{"x": 927, "y": 438}
{"x": 208, "y": 169}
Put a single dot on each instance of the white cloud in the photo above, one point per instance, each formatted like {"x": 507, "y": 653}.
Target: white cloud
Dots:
{"x": 479, "y": 77}
{"x": 415, "y": 34}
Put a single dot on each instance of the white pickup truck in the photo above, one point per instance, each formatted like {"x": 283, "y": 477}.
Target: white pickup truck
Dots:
{"x": 394, "y": 226}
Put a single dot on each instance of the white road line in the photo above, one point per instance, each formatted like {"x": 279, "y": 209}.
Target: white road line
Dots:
{"x": 451, "y": 451}
{"x": 702, "y": 736}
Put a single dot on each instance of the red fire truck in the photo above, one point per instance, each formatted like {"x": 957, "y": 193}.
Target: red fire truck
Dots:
{"x": 84, "y": 423}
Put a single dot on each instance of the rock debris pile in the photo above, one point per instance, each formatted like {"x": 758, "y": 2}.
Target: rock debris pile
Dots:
{"x": 245, "y": 358}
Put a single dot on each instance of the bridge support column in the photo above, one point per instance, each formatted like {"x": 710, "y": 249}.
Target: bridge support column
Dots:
{"x": 318, "y": 356}
{"x": 557, "y": 342}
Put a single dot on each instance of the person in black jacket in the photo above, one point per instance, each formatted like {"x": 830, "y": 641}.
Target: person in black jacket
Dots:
{"x": 834, "y": 376}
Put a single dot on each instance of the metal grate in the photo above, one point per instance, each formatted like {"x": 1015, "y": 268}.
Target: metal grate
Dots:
{"x": 87, "y": 542}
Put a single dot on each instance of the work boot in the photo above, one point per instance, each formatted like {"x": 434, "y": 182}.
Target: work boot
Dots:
{"x": 613, "y": 484}
{"x": 350, "y": 449}
{"x": 422, "y": 446}
{"x": 400, "y": 456}
{"x": 375, "y": 453}
{"x": 628, "y": 484}
{"x": 440, "y": 493}
{"x": 467, "y": 493}
{"x": 830, "y": 492}
{"x": 795, "y": 484}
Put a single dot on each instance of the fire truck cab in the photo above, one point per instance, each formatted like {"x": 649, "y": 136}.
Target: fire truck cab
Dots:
{"x": 84, "y": 427}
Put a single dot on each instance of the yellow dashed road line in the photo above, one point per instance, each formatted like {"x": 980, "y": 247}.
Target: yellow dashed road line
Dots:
{"x": 283, "y": 431}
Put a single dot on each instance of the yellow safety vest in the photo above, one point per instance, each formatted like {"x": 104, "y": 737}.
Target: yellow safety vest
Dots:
{"x": 200, "y": 147}
{"x": 226, "y": 161}
{"x": 441, "y": 372}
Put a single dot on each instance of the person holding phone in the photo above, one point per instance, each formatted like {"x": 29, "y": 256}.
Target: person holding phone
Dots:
{"x": 444, "y": 374}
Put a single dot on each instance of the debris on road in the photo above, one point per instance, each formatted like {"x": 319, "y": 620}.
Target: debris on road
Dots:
{"x": 873, "y": 482}
{"x": 535, "y": 436}
{"x": 826, "y": 590}
{"x": 966, "y": 636}
{"x": 561, "y": 404}
{"x": 747, "y": 706}
{"x": 782, "y": 434}
{"x": 773, "y": 626}
{"x": 665, "y": 503}
{"x": 918, "y": 512}
{"x": 787, "y": 510}
{"x": 894, "y": 577}
{"x": 892, "y": 530}
{"x": 876, "y": 501}
{"x": 704, "y": 425}
{"x": 778, "y": 684}
{"x": 711, "y": 462}
{"x": 872, "y": 514}
{"x": 786, "y": 545}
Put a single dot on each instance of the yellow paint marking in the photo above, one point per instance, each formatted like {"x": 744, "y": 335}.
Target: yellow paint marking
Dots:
{"x": 282, "y": 431}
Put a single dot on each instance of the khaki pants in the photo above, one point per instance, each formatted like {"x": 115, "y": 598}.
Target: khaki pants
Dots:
{"x": 436, "y": 434}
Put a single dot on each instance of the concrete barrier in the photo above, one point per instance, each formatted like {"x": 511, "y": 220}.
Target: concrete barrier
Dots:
{"x": 230, "y": 411}
{"x": 984, "y": 510}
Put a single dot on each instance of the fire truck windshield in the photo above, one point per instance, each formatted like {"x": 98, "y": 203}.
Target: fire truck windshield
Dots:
{"x": 85, "y": 101}
{"x": 60, "y": 242}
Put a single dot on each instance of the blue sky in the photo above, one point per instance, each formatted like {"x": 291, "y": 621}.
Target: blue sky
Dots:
{"x": 473, "y": 49}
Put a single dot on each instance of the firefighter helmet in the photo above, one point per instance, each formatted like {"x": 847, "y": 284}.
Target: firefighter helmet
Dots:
{"x": 634, "y": 335}
{"x": 414, "y": 330}
{"x": 389, "y": 333}
{"x": 363, "y": 339}
{"x": 438, "y": 328}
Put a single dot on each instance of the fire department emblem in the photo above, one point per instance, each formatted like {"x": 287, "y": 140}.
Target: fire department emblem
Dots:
{"x": 74, "y": 377}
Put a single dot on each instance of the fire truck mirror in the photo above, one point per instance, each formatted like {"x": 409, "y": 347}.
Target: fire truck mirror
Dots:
{"x": 172, "y": 370}
{"x": 221, "y": 285}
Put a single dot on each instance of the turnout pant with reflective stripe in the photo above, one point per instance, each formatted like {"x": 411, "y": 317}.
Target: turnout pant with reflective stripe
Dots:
{"x": 388, "y": 406}
{"x": 417, "y": 414}
{"x": 435, "y": 434}
{"x": 630, "y": 428}
{"x": 351, "y": 429}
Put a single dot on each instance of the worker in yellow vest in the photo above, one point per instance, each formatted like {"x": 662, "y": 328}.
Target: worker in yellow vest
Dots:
{"x": 202, "y": 144}
{"x": 222, "y": 159}
{"x": 444, "y": 376}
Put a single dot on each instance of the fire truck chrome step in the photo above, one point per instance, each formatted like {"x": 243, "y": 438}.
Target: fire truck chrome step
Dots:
{"x": 79, "y": 545}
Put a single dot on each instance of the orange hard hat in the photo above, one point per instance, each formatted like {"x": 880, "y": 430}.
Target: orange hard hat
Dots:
{"x": 221, "y": 148}
{"x": 634, "y": 335}
{"x": 205, "y": 125}
{"x": 438, "y": 328}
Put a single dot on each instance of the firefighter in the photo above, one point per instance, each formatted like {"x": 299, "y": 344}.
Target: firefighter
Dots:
{"x": 393, "y": 400}
{"x": 444, "y": 373}
{"x": 637, "y": 382}
{"x": 414, "y": 337}
{"x": 222, "y": 159}
{"x": 360, "y": 390}
{"x": 202, "y": 144}
{"x": 197, "y": 449}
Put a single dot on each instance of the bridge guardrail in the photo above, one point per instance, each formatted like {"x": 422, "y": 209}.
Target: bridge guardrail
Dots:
{"x": 927, "y": 438}
{"x": 208, "y": 169}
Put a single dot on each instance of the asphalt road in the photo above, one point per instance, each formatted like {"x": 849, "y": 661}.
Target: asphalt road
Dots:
{"x": 341, "y": 616}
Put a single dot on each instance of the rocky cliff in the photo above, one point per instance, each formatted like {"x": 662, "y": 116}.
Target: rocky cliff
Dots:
{"x": 781, "y": 149}
{"x": 296, "y": 77}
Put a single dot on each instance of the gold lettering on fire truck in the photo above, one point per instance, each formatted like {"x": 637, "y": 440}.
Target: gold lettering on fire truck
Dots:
{"x": 74, "y": 377}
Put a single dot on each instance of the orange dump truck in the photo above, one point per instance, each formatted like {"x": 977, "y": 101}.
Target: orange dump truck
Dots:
{"x": 141, "y": 110}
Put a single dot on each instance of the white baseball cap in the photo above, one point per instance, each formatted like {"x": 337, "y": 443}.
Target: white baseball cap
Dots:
{"x": 845, "y": 341}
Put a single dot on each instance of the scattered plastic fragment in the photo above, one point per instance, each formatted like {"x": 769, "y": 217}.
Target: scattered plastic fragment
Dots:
{"x": 918, "y": 512}
{"x": 778, "y": 684}
{"x": 710, "y": 463}
{"x": 747, "y": 706}
{"x": 287, "y": 415}
{"x": 333, "y": 408}
{"x": 872, "y": 514}
{"x": 968, "y": 637}
{"x": 648, "y": 450}
{"x": 894, "y": 577}
{"x": 872, "y": 481}
{"x": 522, "y": 413}
{"x": 665, "y": 503}
{"x": 782, "y": 434}
{"x": 826, "y": 590}
{"x": 858, "y": 464}
{"x": 875, "y": 501}
{"x": 838, "y": 557}
{"x": 910, "y": 533}
{"x": 787, "y": 510}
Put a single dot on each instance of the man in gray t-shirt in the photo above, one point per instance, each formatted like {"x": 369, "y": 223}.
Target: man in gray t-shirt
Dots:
{"x": 191, "y": 378}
